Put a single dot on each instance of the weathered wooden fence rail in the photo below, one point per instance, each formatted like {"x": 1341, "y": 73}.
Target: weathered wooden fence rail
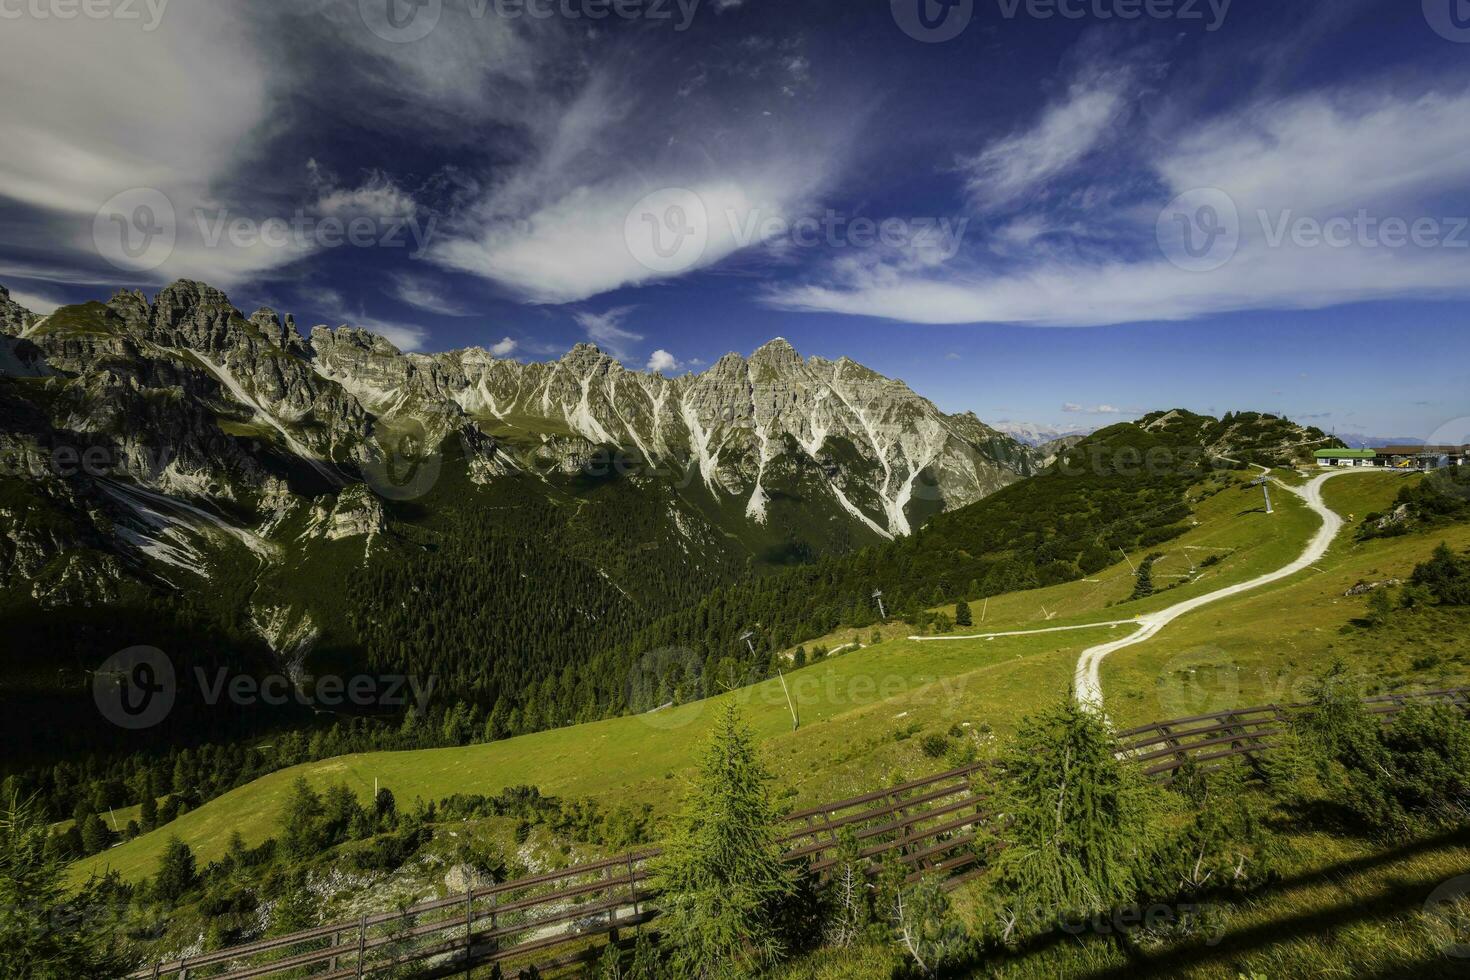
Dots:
{"x": 1164, "y": 747}
{"x": 564, "y": 918}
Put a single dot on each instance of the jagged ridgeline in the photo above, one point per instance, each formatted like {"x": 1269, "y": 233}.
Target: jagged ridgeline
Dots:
{"x": 177, "y": 474}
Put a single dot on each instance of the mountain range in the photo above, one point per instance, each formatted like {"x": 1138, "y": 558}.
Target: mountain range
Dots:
{"x": 178, "y": 453}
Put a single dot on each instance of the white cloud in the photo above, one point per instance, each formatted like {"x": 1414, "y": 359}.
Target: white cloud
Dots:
{"x": 1317, "y": 156}
{"x": 424, "y": 293}
{"x": 553, "y": 226}
{"x": 167, "y": 109}
{"x": 576, "y": 246}
{"x": 606, "y": 330}
{"x": 379, "y": 196}
{"x": 35, "y": 303}
{"x": 504, "y": 348}
{"x": 662, "y": 360}
{"x": 404, "y": 336}
{"x": 1066, "y": 132}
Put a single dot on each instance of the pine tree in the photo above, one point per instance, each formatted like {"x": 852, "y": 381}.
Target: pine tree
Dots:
{"x": 1082, "y": 826}
{"x": 148, "y": 813}
{"x": 95, "y": 835}
{"x": 176, "y": 872}
{"x": 646, "y": 963}
{"x": 924, "y": 926}
{"x": 497, "y": 725}
{"x": 1144, "y": 586}
{"x": 35, "y": 940}
{"x": 799, "y": 660}
{"x": 610, "y": 964}
{"x": 296, "y": 908}
{"x": 962, "y": 615}
{"x": 721, "y": 876}
{"x": 301, "y": 821}
{"x": 851, "y": 907}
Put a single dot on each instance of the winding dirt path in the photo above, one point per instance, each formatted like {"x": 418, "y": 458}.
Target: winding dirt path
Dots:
{"x": 1088, "y": 681}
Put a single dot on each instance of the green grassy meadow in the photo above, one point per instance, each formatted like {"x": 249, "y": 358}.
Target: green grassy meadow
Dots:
{"x": 862, "y": 712}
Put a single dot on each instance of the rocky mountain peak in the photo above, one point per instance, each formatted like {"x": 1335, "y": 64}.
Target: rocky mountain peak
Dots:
{"x": 585, "y": 361}
{"x": 778, "y": 357}
{"x": 324, "y": 338}
{"x": 282, "y": 335}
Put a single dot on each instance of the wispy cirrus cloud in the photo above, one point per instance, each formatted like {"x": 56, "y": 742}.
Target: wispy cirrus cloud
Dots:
{"x": 1316, "y": 159}
{"x": 425, "y": 293}
{"x": 1067, "y": 131}
{"x": 606, "y": 330}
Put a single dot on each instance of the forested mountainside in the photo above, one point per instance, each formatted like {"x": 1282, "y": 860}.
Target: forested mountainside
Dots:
{"x": 182, "y": 476}
{"x": 1124, "y": 487}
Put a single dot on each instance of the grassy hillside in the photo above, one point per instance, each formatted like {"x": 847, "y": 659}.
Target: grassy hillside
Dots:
{"x": 1264, "y": 647}
{"x": 863, "y": 712}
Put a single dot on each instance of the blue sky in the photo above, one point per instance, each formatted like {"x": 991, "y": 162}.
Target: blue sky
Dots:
{"x": 1063, "y": 220}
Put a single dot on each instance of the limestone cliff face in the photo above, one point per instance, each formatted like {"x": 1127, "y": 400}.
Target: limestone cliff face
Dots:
{"x": 199, "y": 411}
{"x": 13, "y": 317}
{"x": 881, "y": 445}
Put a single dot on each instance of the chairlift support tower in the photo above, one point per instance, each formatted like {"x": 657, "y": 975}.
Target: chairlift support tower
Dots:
{"x": 1264, "y": 482}
{"x": 878, "y": 597}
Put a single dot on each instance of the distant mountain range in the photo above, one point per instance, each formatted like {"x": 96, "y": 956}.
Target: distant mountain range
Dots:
{"x": 1355, "y": 441}
{"x": 1039, "y": 433}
